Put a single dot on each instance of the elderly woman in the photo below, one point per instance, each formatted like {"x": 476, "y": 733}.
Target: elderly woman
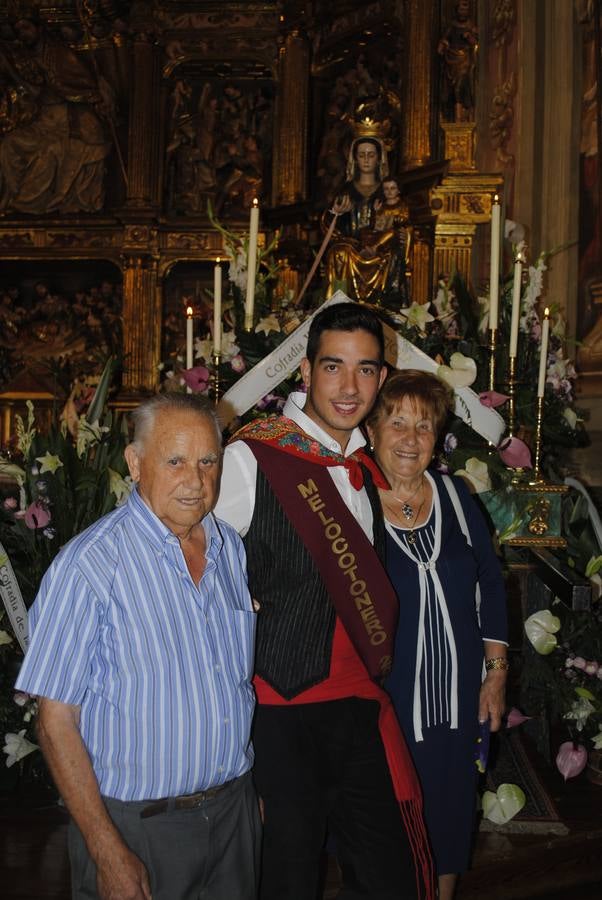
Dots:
{"x": 452, "y": 621}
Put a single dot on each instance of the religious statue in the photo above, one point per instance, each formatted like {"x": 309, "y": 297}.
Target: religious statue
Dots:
{"x": 53, "y": 145}
{"x": 458, "y": 51}
{"x": 368, "y": 252}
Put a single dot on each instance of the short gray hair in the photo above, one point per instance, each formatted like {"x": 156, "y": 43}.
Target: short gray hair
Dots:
{"x": 143, "y": 417}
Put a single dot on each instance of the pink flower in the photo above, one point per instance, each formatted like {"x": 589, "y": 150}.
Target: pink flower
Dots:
{"x": 10, "y": 503}
{"x": 579, "y": 662}
{"x": 571, "y": 759}
{"x": 492, "y": 399}
{"x": 36, "y": 516}
{"x": 591, "y": 668}
{"x": 515, "y": 717}
{"x": 238, "y": 363}
{"x": 515, "y": 453}
{"x": 197, "y": 378}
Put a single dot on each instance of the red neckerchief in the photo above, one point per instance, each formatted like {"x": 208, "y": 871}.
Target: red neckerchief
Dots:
{"x": 284, "y": 434}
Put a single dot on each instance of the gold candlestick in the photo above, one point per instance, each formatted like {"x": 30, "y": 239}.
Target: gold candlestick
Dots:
{"x": 537, "y": 477}
{"x": 491, "y": 348}
{"x": 512, "y": 397}
{"x": 216, "y": 359}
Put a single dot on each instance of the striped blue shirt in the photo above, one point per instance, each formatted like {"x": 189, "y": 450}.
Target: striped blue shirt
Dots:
{"x": 160, "y": 667}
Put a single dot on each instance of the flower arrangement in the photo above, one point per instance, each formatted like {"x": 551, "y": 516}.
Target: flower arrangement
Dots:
{"x": 54, "y": 486}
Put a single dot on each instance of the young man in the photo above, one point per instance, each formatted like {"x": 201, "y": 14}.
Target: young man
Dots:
{"x": 329, "y": 754}
{"x": 142, "y": 655}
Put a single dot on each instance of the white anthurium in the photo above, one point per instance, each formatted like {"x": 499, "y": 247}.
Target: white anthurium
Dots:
{"x": 16, "y": 747}
{"x": 597, "y": 739}
{"x": 461, "y": 372}
{"x": 541, "y": 628}
{"x": 502, "y": 806}
{"x": 477, "y": 473}
{"x": 571, "y": 417}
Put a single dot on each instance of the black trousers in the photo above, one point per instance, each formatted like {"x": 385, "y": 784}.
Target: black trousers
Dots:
{"x": 321, "y": 768}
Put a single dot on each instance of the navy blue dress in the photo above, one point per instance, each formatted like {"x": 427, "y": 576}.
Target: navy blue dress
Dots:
{"x": 438, "y": 661}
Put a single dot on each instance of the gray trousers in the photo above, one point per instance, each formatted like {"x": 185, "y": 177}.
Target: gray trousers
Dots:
{"x": 207, "y": 853}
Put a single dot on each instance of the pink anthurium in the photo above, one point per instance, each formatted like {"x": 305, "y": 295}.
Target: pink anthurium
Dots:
{"x": 515, "y": 717}
{"x": 36, "y": 516}
{"x": 571, "y": 759}
{"x": 197, "y": 378}
{"x": 493, "y": 399}
{"x": 515, "y": 453}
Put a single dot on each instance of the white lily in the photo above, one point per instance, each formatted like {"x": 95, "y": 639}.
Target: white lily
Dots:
{"x": 267, "y": 324}
{"x": 88, "y": 434}
{"x": 230, "y": 348}
{"x": 580, "y": 712}
{"x": 597, "y": 739}
{"x": 203, "y": 349}
{"x": 5, "y": 638}
{"x": 417, "y": 316}
{"x": 16, "y": 747}
{"x": 119, "y": 486}
{"x": 50, "y": 462}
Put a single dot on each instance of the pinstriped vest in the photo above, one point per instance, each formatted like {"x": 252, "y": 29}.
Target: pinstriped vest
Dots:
{"x": 295, "y": 627}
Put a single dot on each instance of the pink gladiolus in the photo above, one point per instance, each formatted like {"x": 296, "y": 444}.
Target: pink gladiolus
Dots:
{"x": 36, "y": 516}
{"x": 493, "y": 399}
{"x": 515, "y": 453}
{"x": 571, "y": 759}
{"x": 515, "y": 717}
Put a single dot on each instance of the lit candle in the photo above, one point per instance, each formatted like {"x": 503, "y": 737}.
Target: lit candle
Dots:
{"x": 251, "y": 264}
{"x": 494, "y": 269}
{"x": 217, "y": 307}
{"x": 543, "y": 353}
{"x": 189, "y": 338}
{"x": 518, "y": 269}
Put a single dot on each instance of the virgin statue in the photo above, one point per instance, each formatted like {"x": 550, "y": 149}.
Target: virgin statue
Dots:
{"x": 365, "y": 249}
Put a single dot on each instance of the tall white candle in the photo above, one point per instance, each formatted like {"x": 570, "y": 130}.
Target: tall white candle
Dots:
{"x": 543, "y": 353}
{"x": 217, "y": 307}
{"x": 518, "y": 270}
{"x": 189, "y": 340}
{"x": 251, "y": 264}
{"x": 494, "y": 267}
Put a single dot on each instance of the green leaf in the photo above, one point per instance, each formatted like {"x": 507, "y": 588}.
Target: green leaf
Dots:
{"x": 583, "y": 692}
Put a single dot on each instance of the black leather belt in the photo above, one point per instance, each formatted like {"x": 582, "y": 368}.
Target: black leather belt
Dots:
{"x": 187, "y": 801}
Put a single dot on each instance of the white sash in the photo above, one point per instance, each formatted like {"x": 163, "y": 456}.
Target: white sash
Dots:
{"x": 13, "y": 600}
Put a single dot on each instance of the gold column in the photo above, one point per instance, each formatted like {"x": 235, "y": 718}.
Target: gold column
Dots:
{"x": 142, "y": 303}
{"x": 416, "y": 127}
{"x": 421, "y": 282}
{"x": 144, "y": 132}
{"x": 290, "y": 138}
{"x": 453, "y": 249}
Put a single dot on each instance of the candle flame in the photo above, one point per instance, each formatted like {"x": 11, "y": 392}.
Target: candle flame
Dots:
{"x": 255, "y": 201}
{"x": 189, "y": 312}
{"x": 546, "y": 312}
{"x": 217, "y": 261}
{"x": 496, "y": 199}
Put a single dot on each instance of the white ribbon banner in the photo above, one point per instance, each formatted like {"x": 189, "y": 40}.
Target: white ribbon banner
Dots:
{"x": 284, "y": 360}
{"x": 13, "y": 601}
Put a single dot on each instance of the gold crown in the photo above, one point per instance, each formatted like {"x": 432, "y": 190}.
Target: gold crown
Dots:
{"x": 368, "y": 127}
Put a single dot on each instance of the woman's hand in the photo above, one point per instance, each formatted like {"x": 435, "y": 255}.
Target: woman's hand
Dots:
{"x": 492, "y": 699}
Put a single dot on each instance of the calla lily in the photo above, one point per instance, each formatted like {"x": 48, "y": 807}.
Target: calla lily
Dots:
{"x": 541, "y": 628}
{"x": 50, "y": 462}
{"x": 502, "y": 806}
{"x": 515, "y": 453}
{"x": 477, "y": 473}
{"x": 461, "y": 372}
{"x": 571, "y": 759}
{"x": 492, "y": 399}
{"x": 515, "y": 717}
{"x": 16, "y": 747}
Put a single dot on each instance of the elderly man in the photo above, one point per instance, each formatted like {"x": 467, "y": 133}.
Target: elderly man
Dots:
{"x": 141, "y": 656}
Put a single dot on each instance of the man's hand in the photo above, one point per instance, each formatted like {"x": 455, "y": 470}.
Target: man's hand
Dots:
{"x": 123, "y": 877}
